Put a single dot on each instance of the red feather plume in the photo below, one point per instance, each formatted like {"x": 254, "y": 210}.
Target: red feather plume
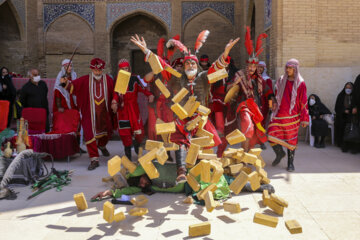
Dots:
{"x": 176, "y": 37}
{"x": 201, "y": 40}
{"x": 248, "y": 42}
{"x": 173, "y": 44}
{"x": 171, "y": 51}
{"x": 259, "y": 48}
{"x": 160, "y": 47}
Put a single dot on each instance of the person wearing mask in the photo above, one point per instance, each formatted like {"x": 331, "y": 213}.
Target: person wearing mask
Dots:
{"x": 7, "y": 91}
{"x": 345, "y": 114}
{"x": 319, "y": 127}
{"x": 34, "y": 94}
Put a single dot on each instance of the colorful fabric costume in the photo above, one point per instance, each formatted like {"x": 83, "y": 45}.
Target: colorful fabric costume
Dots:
{"x": 291, "y": 111}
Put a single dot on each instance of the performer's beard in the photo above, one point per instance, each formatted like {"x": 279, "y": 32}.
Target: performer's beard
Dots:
{"x": 191, "y": 73}
{"x": 97, "y": 77}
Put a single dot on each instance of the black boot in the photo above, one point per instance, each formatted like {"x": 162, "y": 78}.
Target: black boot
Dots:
{"x": 180, "y": 156}
{"x": 136, "y": 147}
{"x": 280, "y": 154}
{"x": 291, "y": 155}
{"x": 128, "y": 152}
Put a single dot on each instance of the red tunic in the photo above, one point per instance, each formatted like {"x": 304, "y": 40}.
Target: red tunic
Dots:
{"x": 284, "y": 127}
{"x": 57, "y": 94}
{"x": 129, "y": 119}
{"x": 94, "y": 101}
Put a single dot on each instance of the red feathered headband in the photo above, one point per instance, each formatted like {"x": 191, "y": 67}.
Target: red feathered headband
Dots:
{"x": 97, "y": 63}
{"x": 253, "y": 55}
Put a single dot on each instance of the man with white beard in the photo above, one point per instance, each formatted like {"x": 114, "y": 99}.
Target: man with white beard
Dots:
{"x": 196, "y": 82}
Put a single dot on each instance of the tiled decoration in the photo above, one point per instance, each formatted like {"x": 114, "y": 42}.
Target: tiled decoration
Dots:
{"x": 267, "y": 13}
{"x": 20, "y": 8}
{"x": 159, "y": 9}
{"x": 189, "y": 9}
{"x": 53, "y": 11}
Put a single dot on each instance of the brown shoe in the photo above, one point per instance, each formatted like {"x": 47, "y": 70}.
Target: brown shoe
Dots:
{"x": 181, "y": 177}
{"x": 93, "y": 164}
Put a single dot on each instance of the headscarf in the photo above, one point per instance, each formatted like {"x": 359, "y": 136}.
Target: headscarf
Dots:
{"x": 61, "y": 74}
{"x": 281, "y": 83}
{"x": 318, "y": 107}
{"x": 264, "y": 74}
{"x": 124, "y": 63}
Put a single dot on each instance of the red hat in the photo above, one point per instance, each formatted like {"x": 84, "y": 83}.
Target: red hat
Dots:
{"x": 123, "y": 63}
{"x": 177, "y": 62}
{"x": 97, "y": 63}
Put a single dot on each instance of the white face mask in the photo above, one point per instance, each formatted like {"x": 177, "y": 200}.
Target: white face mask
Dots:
{"x": 348, "y": 91}
{"x": 312, "y": 102}
{"x": 36, "y": 79}
{"x": 98, "y": 77}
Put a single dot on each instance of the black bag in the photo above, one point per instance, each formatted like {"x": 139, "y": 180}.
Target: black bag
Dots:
{"x": 352, "y": 132}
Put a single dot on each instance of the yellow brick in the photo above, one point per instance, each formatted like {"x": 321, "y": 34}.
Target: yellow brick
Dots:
{"x": 232, "y": 207}
{"x": 238, "y": 157}
{"x": 247, "y": 170}
{"x": 179, "y": 111}
{"x": 192, "y": 154}
{"x": 193, "y": 123}
{"x": 262, "y": 173}
{"x": 279, "y": 200}
{"x": 257, "y": 164}
{"x": 188, "y": 200}
{"x": 138, "y": 211}
{"x": 189, "y": 104}
{"x": 140, "y": 152}
{"x": 209, "y": 150}
{"x": 166, "y": 137}
{"x": 148, "y": 166}
{"x": 80, "y": 201}
{"x": 262, "y": 161}
{"x": 151, "y": 144}
{"x": 225, "y": 161}
{"x": 155, "y": 64}
{"x": 161, "y": 155}
{"x": 254, "y": 181}
{"x": 239, "y": 182}
{"x": 236, "y": 168}
{"x": 193, "y": 109}
{"x": 180, "y": 95}
{"x": 202, "y": 141}
{"x": 293, "y": 226}
{"x": 230, "y": 152}
{"x": 274, "y": 206}
{"x": 163, "y": 89}
{"x": 122, "y": 81}
{"x": 209, "y": 201}
{"x": 235, "y": 137}
{"x": 265, "y": 180}
{"x": 204, "y": 111}
{"x": 163, "y": 128}
{"x": 171, "y": 146}
{"x": 130, "y": 166}
{"x": 114, "y": 165}
{"x": 217, "y": 171}
{"x": 265, "y": 220}
{"x": 218, "y": 75}
{"x": 207, "y": 156}
{"x": 203, "y": 133}
{"x": 192, "y": 182}
{"x": 205, "y": 171}
{"x": 265, "y": 196}
{"x": 232, "y": 93}
{"x": 249, "y": 158}
{"x": 108, "y": 212}
{"x": 119, "y": 217}
{"x": 139, "y": 201}
{"x": 172, "y": 71}
{"x": 201, "y": 195}
{"x": 200, "y": 229}
{"x": 255, "y": 151}
{"x": 203, "y": 121}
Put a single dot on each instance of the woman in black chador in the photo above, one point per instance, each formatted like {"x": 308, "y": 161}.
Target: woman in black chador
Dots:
{"x": 319, "y": 127}
{"x": 344, "y": 109}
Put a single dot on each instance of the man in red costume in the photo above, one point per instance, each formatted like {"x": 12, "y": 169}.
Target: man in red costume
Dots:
{"x": 94, "y": 94}
{"x": 291, "y": 113}
{"x": 197, "y": 84}
{"x": 252, "y": 89}
{"x": 128, "y": 114}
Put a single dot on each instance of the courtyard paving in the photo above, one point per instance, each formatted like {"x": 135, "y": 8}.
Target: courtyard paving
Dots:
{"x": 323, "y": 195}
